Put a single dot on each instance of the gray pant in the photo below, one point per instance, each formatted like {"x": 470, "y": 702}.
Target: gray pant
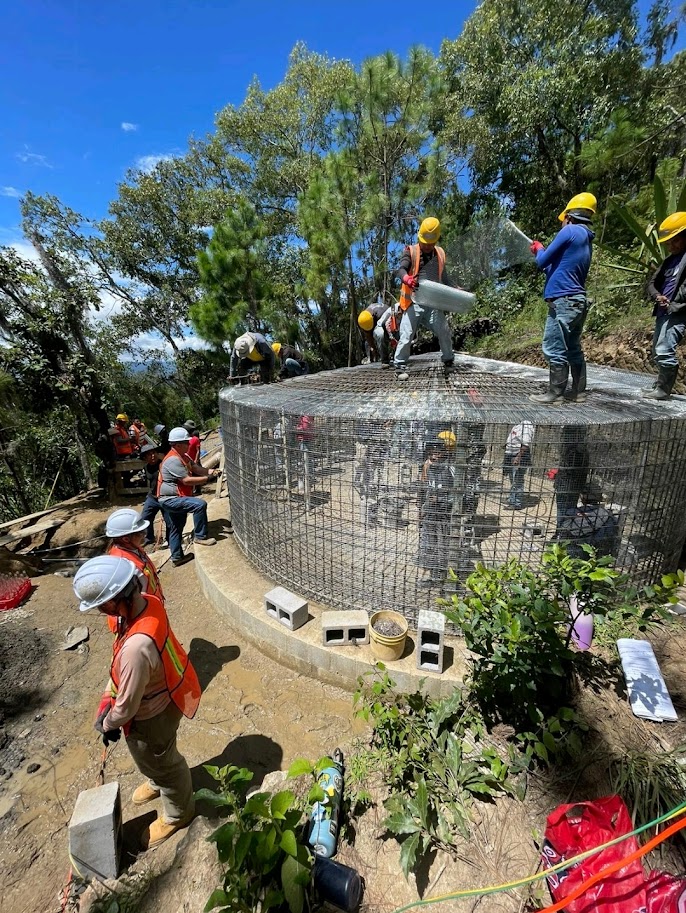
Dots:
{"x": 152, "y": 744}
{"x": 433, "y": 320}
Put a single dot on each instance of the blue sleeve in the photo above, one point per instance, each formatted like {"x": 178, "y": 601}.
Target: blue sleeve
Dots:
{"x": 562, "y": 239}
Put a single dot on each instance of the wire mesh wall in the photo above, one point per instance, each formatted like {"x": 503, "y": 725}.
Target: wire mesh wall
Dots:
{"x": 359, "y": 491}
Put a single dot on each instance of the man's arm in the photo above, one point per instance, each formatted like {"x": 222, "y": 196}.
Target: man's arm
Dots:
{"x": 545, "y": 257}
{"x": 136, "y": 663}
{"x": 233, "y": 367}
{"x": 405, "y": 264}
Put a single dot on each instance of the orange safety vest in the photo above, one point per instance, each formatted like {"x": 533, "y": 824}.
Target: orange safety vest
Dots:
{"x": 135, "y": 435}
{"x": 123, "y": 445}
{"x": 144, "y": 565}
{"x": 180, "y": 676}
{"x": 405, "y": 290}
{"x": 183, "y": 491}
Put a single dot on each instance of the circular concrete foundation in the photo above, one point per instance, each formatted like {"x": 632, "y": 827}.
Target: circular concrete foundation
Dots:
{"x": 332, "y": 495}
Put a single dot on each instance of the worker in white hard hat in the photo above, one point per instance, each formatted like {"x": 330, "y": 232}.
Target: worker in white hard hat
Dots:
{"x": 250, "y": 350}
{"x": 566, "y": 262}
{"x": 152, "y": 685}
{"x": 667, "y": 290}
{"x": 127, "y": 528}
{"x": 424, "y": 260}
{"x": 177, "y": 478}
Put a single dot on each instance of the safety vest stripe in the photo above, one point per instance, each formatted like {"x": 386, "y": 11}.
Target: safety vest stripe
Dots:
{"x": 178, "y": 665}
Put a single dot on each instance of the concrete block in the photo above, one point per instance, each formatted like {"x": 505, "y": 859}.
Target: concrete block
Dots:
{"x": 95, "y": 832}
{"x": 346, "y": 628}
{"x": 287, "y": 608}
{"x": 430, "y": 641}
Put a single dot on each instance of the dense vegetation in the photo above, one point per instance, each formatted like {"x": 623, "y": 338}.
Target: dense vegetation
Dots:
{"x": 289, "y": 216}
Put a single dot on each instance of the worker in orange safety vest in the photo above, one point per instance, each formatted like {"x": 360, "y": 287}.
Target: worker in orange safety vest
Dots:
{"x": 152, "y": 685}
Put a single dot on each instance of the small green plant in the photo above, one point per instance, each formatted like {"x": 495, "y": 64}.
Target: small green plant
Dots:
{"x": 266, "y": 863}
{"x": 435, "y": 760}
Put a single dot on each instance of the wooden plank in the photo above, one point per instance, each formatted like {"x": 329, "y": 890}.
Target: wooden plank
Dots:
{"x": 39, "y": 513}
{"x": 19, "y": 534}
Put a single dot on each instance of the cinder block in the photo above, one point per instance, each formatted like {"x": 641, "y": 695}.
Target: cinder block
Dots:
{"x": 430, "y": 641}
{"x": 287, "y": 608}
{"x": 95, "y": 832}
{"x": 346, "y": 628}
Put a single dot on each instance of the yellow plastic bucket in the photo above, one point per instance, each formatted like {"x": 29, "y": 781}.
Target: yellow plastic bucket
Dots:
{"x": 387, "y": 647}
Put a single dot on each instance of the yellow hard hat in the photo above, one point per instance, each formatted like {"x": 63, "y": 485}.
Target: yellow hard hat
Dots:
{"x": 580, "y": 201}
{"x": 365, "y": 321}
{"x": 276, "y": 347}
{"x": 671, "y": 226}
{"x": 122, "y": 417}
{"x": 448, "y": 439}
{"x": 429, "y": 231}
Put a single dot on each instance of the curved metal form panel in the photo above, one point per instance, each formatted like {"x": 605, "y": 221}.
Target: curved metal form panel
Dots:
{"x": 360, "y": 491}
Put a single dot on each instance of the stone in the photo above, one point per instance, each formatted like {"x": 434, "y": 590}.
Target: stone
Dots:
{"x": 32, "y": 768}
{"x": 286, "y": 608}
{"x": 95, "y": 832}
{"x": 346, "y": 628}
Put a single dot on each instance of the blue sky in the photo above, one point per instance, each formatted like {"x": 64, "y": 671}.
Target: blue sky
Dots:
{"x": 88, "y": 90}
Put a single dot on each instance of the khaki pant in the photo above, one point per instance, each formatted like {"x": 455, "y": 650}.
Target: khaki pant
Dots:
{"x": 152, "y": 744}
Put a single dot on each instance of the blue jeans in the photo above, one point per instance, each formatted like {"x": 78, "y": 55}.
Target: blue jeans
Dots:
{"x": 669, "y": 331}
{"x": 151, "y": 508}
{"x": 433, "y": 320}
{"x": 175, "y": 511}
{"x": 563, "y": 328}
{"x": 293, "y": 368}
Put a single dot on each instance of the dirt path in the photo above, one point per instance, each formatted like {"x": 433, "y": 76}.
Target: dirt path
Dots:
{"x": 253, "y": 712}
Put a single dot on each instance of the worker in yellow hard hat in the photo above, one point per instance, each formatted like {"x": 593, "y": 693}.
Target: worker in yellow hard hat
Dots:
{"x": 566, "y": 262}
{"x": 667, "y": 289}
{"x": 424, "y": 260}
{"x": 378, "y": 325}
{"x": 292, "y": 361}
{"x": 124, "y": 446}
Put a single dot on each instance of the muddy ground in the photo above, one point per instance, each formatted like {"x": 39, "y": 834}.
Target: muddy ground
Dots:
{"x": 253, "y": 713}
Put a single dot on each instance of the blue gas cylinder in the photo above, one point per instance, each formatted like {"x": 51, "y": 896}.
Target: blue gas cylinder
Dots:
{"x": 323, "y": 835}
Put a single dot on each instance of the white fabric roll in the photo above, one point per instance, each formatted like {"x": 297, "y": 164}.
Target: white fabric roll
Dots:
{"x": 443, "y": 298}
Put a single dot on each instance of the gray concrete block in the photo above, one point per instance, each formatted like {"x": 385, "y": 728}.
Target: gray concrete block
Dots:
{"x": 346, "y": 628}
{"x": 95, "y": 832}
{"x": 430, "y": 641}
{"x": 287, "y": 608}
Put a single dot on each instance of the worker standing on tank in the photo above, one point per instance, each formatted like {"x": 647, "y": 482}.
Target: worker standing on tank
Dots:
{"x": 566, "y": 262}
{"x": 152, "y": 685}
{"x": 424, "y": 260}
{"x": 667, "y": 289}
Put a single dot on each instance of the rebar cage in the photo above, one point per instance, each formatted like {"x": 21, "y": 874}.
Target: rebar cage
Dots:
{"x": 362, "y": 491}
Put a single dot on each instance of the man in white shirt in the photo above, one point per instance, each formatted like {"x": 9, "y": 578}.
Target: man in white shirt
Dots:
{"x": 517, "y": 460}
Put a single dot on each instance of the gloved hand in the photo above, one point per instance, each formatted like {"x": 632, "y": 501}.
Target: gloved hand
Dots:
{"x": 410, "y": 281}
{"x": 109, "y": 735}
{"x": 535, "y": 247}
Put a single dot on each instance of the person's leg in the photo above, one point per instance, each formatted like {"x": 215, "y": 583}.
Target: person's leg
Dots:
{"x": 517, "y": 493}
{"x": 381, "y": 342}
{"x": 293, "y": 367}
{"x": 152, "y": 744}
{"x": 175, "y": 521}
{"x": 408, "y": 326}
{"x": 150, "y": 510}
{"x": 198, "y": 508}
{"x": 669, "y": 331}
{"x": 555, "y": 353}
{"x": 438, "y": 323}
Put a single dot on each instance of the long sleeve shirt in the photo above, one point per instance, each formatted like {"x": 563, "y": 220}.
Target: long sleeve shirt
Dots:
{"x": 261, "y": 352}
{"x": 668, "y": 280}
{"x": 428, "y": 267}
{"x": 143, "y": 691}
{"x": 566, "y": 262}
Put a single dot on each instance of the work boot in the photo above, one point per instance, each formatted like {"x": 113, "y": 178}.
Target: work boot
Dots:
{"x": 161, "y": 830}
{"x": 206, "y": 541}
{"x": 145, "y": 793}
{"x": 555, "y": 394}
{"x": 401, "y": 372}
{"x": 184, "y": 559}
{"x": 577, "y": 393}
{"x": 666, "y": 379}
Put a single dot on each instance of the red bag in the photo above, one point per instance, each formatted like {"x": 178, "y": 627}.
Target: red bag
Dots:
{"x": 572, "y": 829}
{"x": 666, "y": 893}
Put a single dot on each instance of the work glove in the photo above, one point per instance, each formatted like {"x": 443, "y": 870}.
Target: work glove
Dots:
{"x": 410, "y": 281}
{"x": 109, "y": 735}
{"x": 536, "y": 246}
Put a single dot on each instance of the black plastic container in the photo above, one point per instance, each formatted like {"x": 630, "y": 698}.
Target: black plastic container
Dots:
{"x": 337, "y": 884}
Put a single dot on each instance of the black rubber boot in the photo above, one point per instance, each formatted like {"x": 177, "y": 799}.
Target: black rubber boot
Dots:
{"x": 577, "y": 393}
{"x": 557, "y": 384}
{"x": 666, "y": 379}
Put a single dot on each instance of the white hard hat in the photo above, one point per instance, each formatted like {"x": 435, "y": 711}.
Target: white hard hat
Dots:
{"x": 176, "y": 435}
{"x": 125, "y": 522}
{"x": 244, "y": 345}
{"x": 101, "y": 579}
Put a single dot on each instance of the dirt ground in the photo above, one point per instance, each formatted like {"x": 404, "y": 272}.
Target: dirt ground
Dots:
{"x": 253, "y": 713}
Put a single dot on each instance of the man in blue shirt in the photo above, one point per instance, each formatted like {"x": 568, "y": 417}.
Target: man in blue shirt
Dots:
{"x": 566, "y": 263}
{"x": 667, "y": 289}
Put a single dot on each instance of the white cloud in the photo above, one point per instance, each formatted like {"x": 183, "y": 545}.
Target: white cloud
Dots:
{"x": 148, "y": 163}
{"x": 33, "y": 158}
{"x": 10, "y": 192}
{"x": 128, "y": 127}
{"x": 147, "y": 342}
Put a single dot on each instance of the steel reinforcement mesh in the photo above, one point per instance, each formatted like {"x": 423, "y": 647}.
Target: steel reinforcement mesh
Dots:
{"x": 360, "y": 491}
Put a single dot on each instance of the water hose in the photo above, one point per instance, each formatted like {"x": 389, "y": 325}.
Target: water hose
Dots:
{"x": 566, "y": 864}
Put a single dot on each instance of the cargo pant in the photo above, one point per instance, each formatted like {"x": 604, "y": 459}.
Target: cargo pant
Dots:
{"x": 152, "y": 744}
